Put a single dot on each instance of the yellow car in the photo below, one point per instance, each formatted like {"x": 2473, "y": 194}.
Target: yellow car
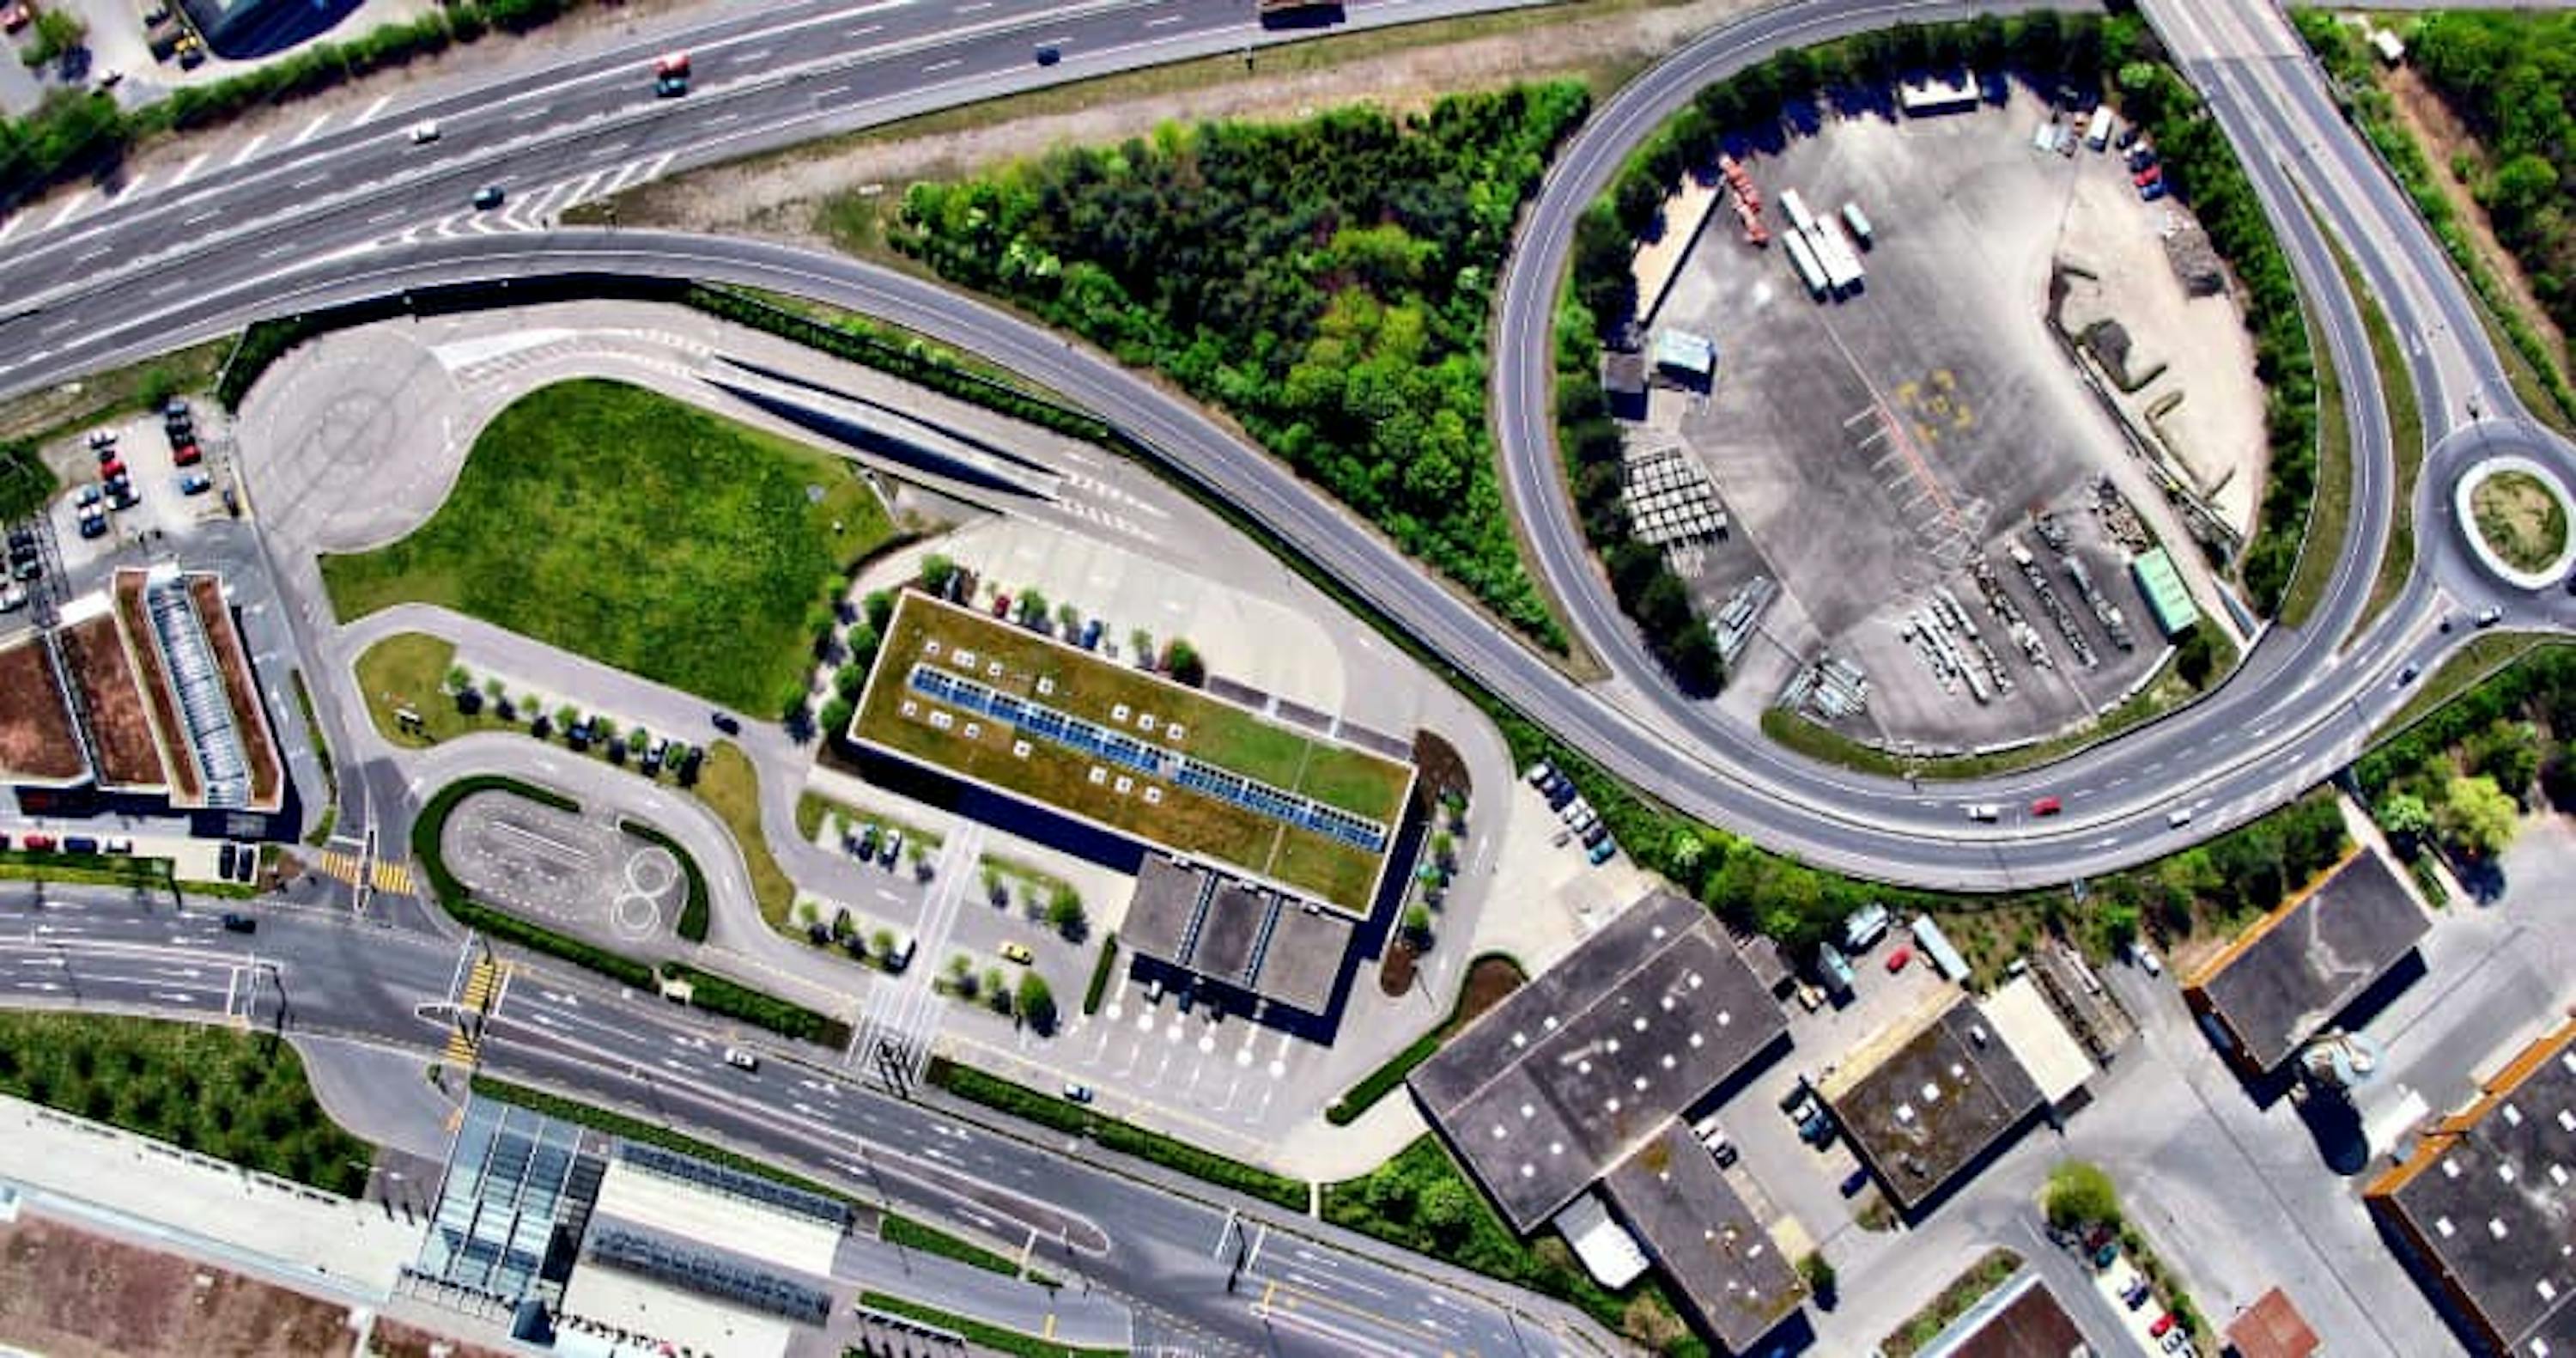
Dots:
{"x": 1018, "y": 952}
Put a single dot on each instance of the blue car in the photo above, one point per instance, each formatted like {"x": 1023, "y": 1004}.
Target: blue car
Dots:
{"x": 1601, "y": 852}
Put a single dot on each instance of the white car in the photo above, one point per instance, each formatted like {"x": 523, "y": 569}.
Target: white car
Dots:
{"x": 2146, "y": 958}
{"x": 739, "y": 1059}
{"x": 424, "y": 132}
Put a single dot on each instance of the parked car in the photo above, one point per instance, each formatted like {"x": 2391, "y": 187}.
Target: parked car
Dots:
{"x": 1817, "y": 1130}
{"x": 1001, "y": 605}
{"x": 1074, "y": 1093}
{"x": 2164, "y": 1324}
{"x": 2153, "y": 191}
{"x": 79, "y": 844}
{"x": 12, "y": 598}
{"x": 196, "y": 483}
{"x": 224, "y": 861}
{"x": 2145, "y": 958}
{"x": 1601, "y": 852}
{"x": 38, "y": 844}
{"x": 893, "y": 848}
{"x": 1896, "y": 960}
{"x": 187, "y": 454}
{"x": 102, "y": 438}
{"x": 117, "y": 844}
{"x": 724, "y": 721}
{"x": 93, "y": 522}
{"x": 1018, "y": 952}
{"x": 1855, "y": 1181}
{"x": 1539, "y": 773}
{"x": 2490, "y": 616}
{"x": 240, "y": 924}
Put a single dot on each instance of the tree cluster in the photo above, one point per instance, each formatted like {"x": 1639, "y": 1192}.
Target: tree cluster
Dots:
{"x": 1325, "y": 281}
{"x": 2458, "y": 776}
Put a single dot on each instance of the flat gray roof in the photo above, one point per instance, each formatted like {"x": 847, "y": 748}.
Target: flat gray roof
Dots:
{"x": 1573, "y": 1072}
{"x": 2490, "y": 1197}
{"x": 2302, "y": 964}
{"x": 1941, "y": 1098}
{"x": 1251, "y": 937}
{"x": 1699, "y": 1230}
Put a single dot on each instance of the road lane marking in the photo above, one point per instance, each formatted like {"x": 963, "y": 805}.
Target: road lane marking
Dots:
{"x": 251, "y": 150}
{"x": 206, "y": 216}
{"x": 1166, "y": 19}
{"x": 942, "y": 65}
{"x": 309, "y": 130}
{"x": 309, "y": 181}
{"x": 374, "y": 109}
{"x": 861, "y": 31}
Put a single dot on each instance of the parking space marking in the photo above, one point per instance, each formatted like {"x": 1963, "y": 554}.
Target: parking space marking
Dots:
{"x": 374, "y": 109}
{"x": 78, "y": 201}
{"x": 188, "y": 169}
{"x": 9, "y": 227}
{"x": 251, "y": 150}
{"x": 310, "y": 130}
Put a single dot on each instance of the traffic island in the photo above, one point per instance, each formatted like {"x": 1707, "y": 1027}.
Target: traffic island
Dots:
{"x": 2516, "y": 514}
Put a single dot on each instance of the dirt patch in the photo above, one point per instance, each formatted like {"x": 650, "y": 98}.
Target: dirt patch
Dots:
{"x": 36, "y": 736}
{"x": 72, "y": 1294}
{"x": 240, "y": 691}
{"x": 2518, "y": 517}
{"x": 2446, "y": 140}
{"x": 94, "y": 657}
{"x": 1395, "y": 970}
{"x": 394, "y": 1339}
{"x": 1490, "y": 980}
{"x": 781, "y": 196}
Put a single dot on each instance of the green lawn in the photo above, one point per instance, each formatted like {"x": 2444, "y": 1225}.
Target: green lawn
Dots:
{"x": 232, "y": 1095}
{"x": 638, "y": 531}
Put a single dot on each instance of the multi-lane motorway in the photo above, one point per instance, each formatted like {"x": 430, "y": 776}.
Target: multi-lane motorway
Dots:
{"x": 361, "y": 211}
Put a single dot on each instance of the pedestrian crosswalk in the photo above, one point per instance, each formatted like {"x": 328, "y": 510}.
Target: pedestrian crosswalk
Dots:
{"x": 481, "y": 991}
{"x": 390, "y": 878}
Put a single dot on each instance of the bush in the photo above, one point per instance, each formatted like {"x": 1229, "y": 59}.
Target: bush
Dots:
{"x": 1101, "y": 973}
{"x": 1057, "y": 1114}
{"x": 2080, "y": 1194}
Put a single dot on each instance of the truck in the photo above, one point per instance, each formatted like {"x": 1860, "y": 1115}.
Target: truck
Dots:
{"x": 1796, "y": 207}
{"x": 1295, "y": 9}
{"x": 1803, "y": 256}
{"x": 1842, "y": 267}
{"x": 1834, "y": 970}
{"x": 2098, "y": 134}
{"x": 1858, "y": 225}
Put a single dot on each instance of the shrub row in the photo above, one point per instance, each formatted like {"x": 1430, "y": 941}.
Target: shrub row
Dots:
{"x": 978, "y": 1333}
{"x": 1046, "y": 1110}
{"x": 695, "y": 910}
{"x": 717, "y": 995}
{"x": 897, "y": 1229}
{"x": 1102, "y": 971}
{"x": 2542, "y": 683}
{"x": 1384, "y": 1080}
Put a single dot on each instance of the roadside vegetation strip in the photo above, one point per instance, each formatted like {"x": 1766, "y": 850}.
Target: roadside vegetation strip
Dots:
{"x": 2330, "y": 519}
{"x": 1062, "y": 1115}
{"x": 1103, "y": 972}
{"x": 642, "y": 532}
{"x": 730, "y": 786}
{"x": 2405, "y": 437}
{"x": 233, "y": 1095}
{"x": 2475, "y": 72}
{"x": 330, "y": 816}
{"x": 648, "y": 1133}
{"x": 718, "y": 995}
{"x": 2499, "y": 678}
{"x": 1421, "y": 1201}
{"x": 976, "y": 1332}
{"x": 1980, "y": 1278}
{"x": 88, "y": 869}
{"x": 897, "y": 1229}
{"x": 1474, "y": 997}
{"x": 1296, "y": 275}
{"x": 695, "y": 908}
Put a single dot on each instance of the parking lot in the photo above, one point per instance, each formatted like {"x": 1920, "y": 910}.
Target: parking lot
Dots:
{"x": 168, "y": 491}
{"x": 1937, "y": 416}
{"x": 1195, "y": 1059}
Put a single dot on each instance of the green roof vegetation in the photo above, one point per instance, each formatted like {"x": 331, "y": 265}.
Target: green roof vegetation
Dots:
{"x": 639, "y": 531}
{"x": 1153, "y": 709}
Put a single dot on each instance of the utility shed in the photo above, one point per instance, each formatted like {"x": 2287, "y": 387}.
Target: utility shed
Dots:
{"x": 1931, "y": 95}
{"x": 2168, "y": 599}
{"x": 2285, "y": 978}
{"x": 2272, "y": 1328}
{"x": 1686, "y": 355}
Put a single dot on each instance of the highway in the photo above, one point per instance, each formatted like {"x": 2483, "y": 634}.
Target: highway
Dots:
{"x": 1117, "y": 1227}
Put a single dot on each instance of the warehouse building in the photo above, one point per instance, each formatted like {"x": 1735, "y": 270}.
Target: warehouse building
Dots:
{"x": 1253, "y": 940}
{"x": 1721, "y": 1261}
{"x": 2288, "y": 976}
{"x": 1934, "y": 1094}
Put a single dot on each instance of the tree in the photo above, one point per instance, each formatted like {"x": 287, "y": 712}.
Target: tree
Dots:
{"x": 882, "y": 942}
{"x": 2477, "y": 815}
{"x": 1181, "y": 661}
{"x": 1140, "y": 644}
{"x": 58, "y": 33}
{"x": 1037, "y": 1003}
{"x": 1444, "y": 851}
{"x": 2080, "y": 1194}
{"x": 2120, "y": 920}
{"x": 1445, "y": 1210}
{"x": 1417, "y": 926}
{"x": 880, "y": 610}
{"x": 458, "y": 679}
{"x": 997, "y": 990}
{"x": 1821, "y": 1281}
{"x": 2507, "y": 751}
{"x": 1068, "y": 619}
{"x": 2404, "y": 815}
{"x": 961, "y": 975}
{"x": 1064, "y": 912}
{"x": 567, "y": 717}
{"x": 837, "y": 712}
{"x": 936, "y": 572}
{"x": 1030, "y": 608}
{"x": 842, "y": 925}
{"x": 496, "y": 690}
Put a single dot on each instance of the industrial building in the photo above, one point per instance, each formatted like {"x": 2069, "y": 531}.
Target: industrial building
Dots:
{"x": 40, "y": 744}
{"x": 2021, "y": 1319}
{"x": 1251, "y": 939}
{"x": 2482, "y": 1204}
{"x": 1936, "y": 1092}
{"x": 1579, "y": 1069}
{"x": 2285, "y": 978}
{"x": 2272, "y": 1328}
{"x": 1720, "y": 1260}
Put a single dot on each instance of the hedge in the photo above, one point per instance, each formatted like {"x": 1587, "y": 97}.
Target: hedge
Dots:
{"x": 977, "y": 1332}
{"x": 694, "y": 912}
{"x": 717, "y": 995}
{"x": 1046, "y": 1110}
{"x": 458, "y": 900}
{"x": 894, "y": 1228}
{"x": 1101, "y": 972}
{"x": 1384, "y": 1080}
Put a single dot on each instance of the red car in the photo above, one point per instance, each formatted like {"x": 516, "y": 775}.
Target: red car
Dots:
{"x": 1896, "y": 960}
{"x": 38, "y": 843}
{"x": 2148, "y": 175}
{"x": 672, "y": 63}
{"x": 2047, "y": 806}
{"x": 187, "y": 455}
{"x": 2163, "y": 1323}
{"x": 1001, "y": 605}
{"x": 110, "y": 469}
{"x": 17, "y": 17}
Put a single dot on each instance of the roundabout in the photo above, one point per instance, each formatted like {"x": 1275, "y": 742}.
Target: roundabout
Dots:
{"x": 2514, "y": 511}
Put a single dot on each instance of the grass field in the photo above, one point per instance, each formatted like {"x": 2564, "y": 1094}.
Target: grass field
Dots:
{"x": 236, "y": 1096}
{"x": 641, "y": 532}
{"x": 1208, "y": 729}
{"x": 730, "y": 787}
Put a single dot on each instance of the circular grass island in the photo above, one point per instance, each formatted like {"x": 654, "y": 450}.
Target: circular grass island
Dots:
{"x": 2517, "y": 516}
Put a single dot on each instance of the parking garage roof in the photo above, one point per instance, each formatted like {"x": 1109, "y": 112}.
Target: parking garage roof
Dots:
{"x": 2296, "y": 968}
{"x": 1729, "y": 1271}
{"x": 1577, "y": 1069}
{"x": 1944, "y": 1094}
